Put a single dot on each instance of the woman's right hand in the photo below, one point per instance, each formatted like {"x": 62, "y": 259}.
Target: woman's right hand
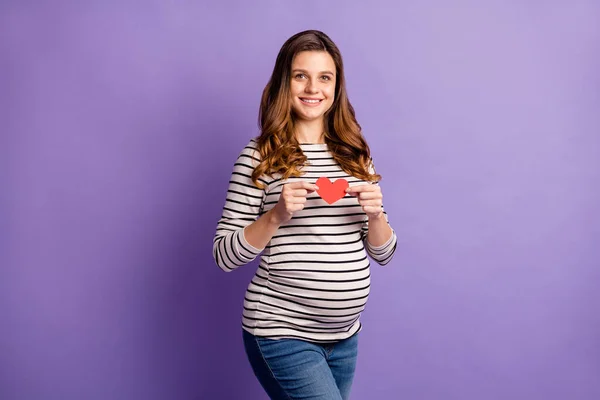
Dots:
{"x": 292, "y": 199}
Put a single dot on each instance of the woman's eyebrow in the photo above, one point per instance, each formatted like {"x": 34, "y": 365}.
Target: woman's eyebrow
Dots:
{"x": 305, "y": 71}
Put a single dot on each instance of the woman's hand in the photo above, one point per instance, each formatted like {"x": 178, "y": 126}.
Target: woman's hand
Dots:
{"x": 369, "y": 197}
{"x": 292, "y": 199}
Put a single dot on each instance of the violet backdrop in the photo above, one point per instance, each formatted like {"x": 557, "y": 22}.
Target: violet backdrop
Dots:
{"x": 121, "y": 121}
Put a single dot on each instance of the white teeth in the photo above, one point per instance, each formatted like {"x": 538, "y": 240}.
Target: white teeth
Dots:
{"x": 310, "y": 101}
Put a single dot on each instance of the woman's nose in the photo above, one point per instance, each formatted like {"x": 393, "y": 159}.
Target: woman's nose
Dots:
{"x": 310, "y": 87}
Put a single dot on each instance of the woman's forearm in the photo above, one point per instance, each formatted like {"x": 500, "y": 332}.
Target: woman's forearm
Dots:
{"x": 260, "y": 232}
{"x": 379, "y": 231}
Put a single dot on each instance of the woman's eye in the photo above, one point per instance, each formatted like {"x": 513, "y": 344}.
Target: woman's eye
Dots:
{"x": 326, "y": 77}
{"x": 299, "y": 76}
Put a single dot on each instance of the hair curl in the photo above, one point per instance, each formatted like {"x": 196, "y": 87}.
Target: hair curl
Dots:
{"x": 277, "y": 145}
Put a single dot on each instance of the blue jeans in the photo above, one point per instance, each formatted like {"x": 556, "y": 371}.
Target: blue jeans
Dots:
{"x": 297, "y": 369}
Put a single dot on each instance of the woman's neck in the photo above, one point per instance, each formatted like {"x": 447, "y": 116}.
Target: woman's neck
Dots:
{"x": 310, "y": 132}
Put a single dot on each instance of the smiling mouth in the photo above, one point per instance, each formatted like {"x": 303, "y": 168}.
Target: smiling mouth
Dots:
{"x": 310, "y": 102}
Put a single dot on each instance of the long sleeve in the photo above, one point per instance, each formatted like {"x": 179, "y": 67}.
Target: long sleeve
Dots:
{"x": 381, "y": 254}
{"x": 242, "y": 207}
{"x": 318, "y": 264}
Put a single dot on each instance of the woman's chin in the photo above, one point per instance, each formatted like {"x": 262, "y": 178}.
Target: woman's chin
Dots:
{"x": 308, "y": 117}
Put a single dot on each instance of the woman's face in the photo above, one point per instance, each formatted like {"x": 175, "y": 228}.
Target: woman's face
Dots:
{"x": 313, "y": 84}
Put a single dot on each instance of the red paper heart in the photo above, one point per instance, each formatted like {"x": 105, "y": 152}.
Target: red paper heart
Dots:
{"x": 331, "y": 192}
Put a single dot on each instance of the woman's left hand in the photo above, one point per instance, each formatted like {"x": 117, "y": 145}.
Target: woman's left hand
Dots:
{"x": 369, "y": 197}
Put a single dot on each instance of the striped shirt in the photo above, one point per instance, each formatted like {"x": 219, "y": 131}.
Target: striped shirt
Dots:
{"x": 313, "y": 277}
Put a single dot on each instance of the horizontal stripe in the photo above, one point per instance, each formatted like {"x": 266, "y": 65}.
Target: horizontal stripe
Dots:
{"x": 313, "y": 277}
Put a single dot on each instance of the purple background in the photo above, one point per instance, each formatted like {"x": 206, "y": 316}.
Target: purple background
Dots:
{"x": 120, "y": 124}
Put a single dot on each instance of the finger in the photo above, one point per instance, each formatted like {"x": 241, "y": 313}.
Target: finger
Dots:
{"x": 300, "y": 193}
{"x": 296, "y": 207}
{"x": 370, "y": 195}
{"x": 354, "y": 190}
{"x": 375, "y": 203}
{"x": 361, "y": 188}
{"x": 297, "y": 200}
{"x": 311, "y": 187}
{"x": 290, "y": 198}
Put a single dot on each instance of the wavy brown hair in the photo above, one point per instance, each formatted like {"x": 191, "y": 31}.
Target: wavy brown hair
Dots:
{"x": 278, "y": 147}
